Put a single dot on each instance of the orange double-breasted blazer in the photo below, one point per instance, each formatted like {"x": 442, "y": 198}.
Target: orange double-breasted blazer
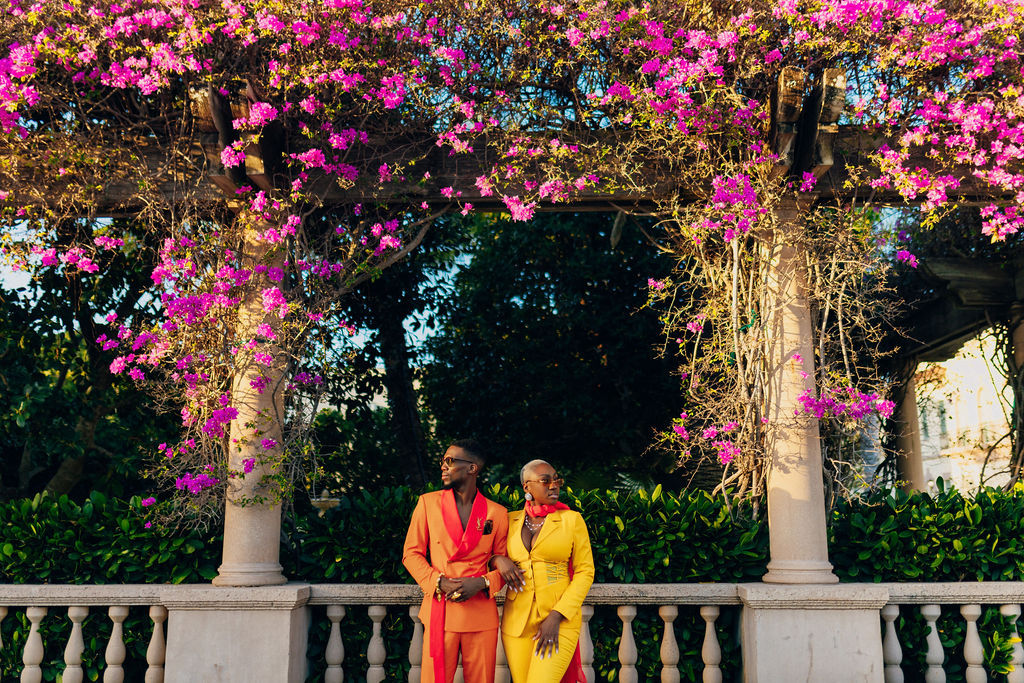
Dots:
{"x": 428, "y": 546}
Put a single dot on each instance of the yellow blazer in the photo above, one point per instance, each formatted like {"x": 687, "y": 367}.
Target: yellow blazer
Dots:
{"x": 563, "y": 536}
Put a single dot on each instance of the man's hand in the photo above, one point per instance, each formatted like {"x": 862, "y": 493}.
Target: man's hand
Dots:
{"x": 448, "y": 585}
{"x": 509, "y": 571}
{"x": 465, "y": 588}
{"x": 547, "y": 635}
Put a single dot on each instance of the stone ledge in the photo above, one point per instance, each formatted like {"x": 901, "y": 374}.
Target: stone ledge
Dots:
{"x": 820, "y": 597}
{"x": 663, "y": 594}
{"x": 64, "y": 595}
{"x": 600, "y": 594}
{"x": 242, "y": 598}
{"x": 768, "y": 596}
{"x": 365, "y": 594}
{"x": 956, "y": 593}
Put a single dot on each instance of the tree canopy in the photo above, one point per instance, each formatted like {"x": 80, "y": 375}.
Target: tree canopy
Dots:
{"x": 546, "y": 349}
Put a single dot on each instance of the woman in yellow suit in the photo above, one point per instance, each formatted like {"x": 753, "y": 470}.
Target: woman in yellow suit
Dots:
{"x": 549, "y": 571}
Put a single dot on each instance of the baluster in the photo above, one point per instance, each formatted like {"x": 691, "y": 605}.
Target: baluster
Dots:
{"x": 76, "y": 646}
{"x": 335, "y": 652}
{"x": 1012, "y": 613}
{"x": 114, "y": 673}
{"x": 156, "y": 653}
{"x": 586, "y": 644}
{"x": 33, "y": 655}
{"x": 501, "y": 672}
{"x": 416, "y": 645}
{"x": 935, "y": 656}
{"x": 459, "y": 676}
{"x": 669, "y": 647}
{"x": 375, "y": 652}
{"x": 627, "y": 645}
{"x": 974, "y": 653}
{"x": 892, "y": 653}
{"x": 711, "y": 651}
{"x": 3, "y": 615}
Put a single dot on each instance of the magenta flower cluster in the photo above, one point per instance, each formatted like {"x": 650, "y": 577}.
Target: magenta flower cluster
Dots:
{"x": 716, "y": 437}
{"x": 844, "y": 403}
{"x": 196, "y": 483}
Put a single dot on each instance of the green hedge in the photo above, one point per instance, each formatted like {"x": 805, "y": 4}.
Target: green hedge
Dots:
{"x": 640, "y": 537}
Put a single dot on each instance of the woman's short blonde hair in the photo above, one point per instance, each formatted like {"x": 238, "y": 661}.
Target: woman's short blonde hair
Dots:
{"x": 529, "y": 467}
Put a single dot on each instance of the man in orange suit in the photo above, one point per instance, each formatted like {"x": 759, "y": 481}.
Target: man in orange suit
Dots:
{"x": 452, "y": 535}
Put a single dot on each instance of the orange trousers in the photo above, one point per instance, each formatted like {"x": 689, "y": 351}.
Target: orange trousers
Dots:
{"x": 479, "y": 653}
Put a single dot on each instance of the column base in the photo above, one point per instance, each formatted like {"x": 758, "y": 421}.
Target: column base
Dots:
{"x": 797, "y": 571}
{"x": 236, "y": 635}
{"x": 249, "y": 574}
{"x": 812, "y": 634}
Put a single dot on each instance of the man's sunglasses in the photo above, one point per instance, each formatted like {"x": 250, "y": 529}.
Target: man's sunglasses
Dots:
{"x": 448, "y": 460}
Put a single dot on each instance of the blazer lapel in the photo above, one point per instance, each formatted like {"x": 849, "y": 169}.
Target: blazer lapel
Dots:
{"x": 515, "y": 531}
{"x": 551, "y": 526}
{"x": 448, "y": 544}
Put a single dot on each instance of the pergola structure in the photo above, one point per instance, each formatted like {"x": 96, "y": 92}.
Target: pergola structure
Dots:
{"x": 969, "y": 294}
{"x": 791, "y": 607}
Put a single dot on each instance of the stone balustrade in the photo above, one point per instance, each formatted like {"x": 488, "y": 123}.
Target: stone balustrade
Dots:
{"x": 339, "y": 598}
{"x": 928, "y": 600}
{"x": 114, "y": 599}
{"x": 373, "y": 603}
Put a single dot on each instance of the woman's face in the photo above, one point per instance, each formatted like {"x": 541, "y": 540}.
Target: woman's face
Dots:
{"x": 544, "y": 484}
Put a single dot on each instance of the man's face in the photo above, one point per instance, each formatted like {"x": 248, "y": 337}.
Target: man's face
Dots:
{"x": 456, "y": 467}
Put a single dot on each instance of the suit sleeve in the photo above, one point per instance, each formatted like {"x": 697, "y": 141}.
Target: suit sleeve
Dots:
{"x": 571, "y": 602}
{"x": 500, "y": 548}
{"x": 414, "y": 553}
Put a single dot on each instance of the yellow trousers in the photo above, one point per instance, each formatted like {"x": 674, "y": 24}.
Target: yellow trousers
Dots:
{"x": 526, "y": 666}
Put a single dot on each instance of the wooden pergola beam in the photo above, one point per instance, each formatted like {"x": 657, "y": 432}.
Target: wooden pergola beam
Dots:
{"x": 121, "y": 196}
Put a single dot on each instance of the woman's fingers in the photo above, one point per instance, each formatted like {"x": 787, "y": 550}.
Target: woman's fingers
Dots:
{"x": 520, "y": 578}
{"x": 514, "y": 579}
{"x": 546, "y": 647}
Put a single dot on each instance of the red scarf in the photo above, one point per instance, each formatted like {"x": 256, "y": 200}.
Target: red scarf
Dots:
{"x": 544, "y": 510}
{"x": 467, "y": 540}
{"x": 574, "y": 674}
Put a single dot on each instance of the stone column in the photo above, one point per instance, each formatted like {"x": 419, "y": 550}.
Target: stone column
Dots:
{"x": 252, "y": 517}
{"x": 1018, "y": 343}
{"x": 908, "y": 442}
{"x": 796, "y": 497}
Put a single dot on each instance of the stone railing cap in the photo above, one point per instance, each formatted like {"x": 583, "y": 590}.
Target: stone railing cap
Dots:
{"x": 813, "y": 596}
{"x": 204, "y": 597}
{"x": 959, "y": 592}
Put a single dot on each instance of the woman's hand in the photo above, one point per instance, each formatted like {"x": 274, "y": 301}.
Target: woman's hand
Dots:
{"x": 509, "y": 571}
{"x": 547, "y": 635}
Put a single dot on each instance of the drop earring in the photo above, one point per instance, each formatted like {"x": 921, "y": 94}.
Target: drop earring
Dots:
{"x": 529, "y": 496}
